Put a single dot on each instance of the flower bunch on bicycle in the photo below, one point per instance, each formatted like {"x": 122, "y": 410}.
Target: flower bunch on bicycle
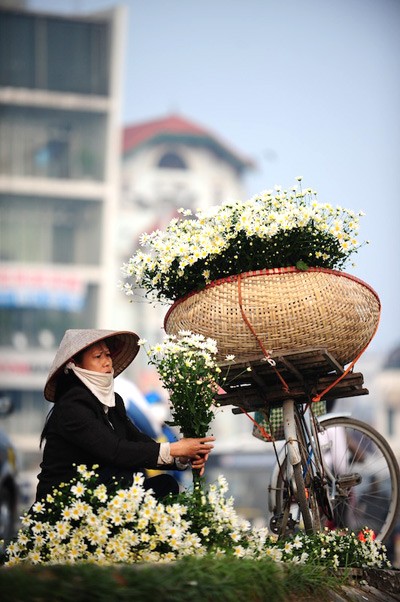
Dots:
{"x": 276, "y": 228}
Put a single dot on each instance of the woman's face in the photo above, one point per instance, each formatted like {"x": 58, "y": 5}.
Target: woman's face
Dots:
{"x": 96, "y": 358}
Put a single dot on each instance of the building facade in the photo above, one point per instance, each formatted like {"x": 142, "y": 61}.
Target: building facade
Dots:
{"x": 60, "y": 97}
{"x": 167, "y": 163}
{"x": 388, "y": 386}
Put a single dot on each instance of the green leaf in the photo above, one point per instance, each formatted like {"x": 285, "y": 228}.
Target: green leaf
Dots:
{"x": 301, "y": 265}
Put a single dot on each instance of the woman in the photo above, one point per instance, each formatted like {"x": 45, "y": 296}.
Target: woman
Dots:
{"x": 88, "y": 422}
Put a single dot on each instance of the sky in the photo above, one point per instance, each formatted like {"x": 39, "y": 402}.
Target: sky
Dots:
{"x": 301, "y": 87}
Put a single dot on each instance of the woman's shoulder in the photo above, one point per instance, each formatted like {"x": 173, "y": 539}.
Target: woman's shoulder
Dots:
{"x": 118, "y": 399}
{"x": 119, "y": 404}
{"x": 73, "y": 390}
{"x": 77, "y": 392}
{"x": 76, "y": 405}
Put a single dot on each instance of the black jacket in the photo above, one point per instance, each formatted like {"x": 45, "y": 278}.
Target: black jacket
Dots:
{"x": 78, "y": 431}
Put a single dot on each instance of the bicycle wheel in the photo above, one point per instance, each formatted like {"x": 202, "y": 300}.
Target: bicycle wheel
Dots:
{"x": 364, "y": 480}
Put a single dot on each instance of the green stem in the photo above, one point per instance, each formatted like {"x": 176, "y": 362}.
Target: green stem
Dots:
{"x": 198, "y": 481}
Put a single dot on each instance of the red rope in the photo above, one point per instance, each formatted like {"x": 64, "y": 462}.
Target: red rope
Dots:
{"x": 285, "y": 386}
{"x": 262, "y": 430}
{"x": 348, "y": 369}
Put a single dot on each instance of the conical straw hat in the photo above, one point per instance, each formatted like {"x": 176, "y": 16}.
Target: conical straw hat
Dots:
{"x": 123, "y": 347}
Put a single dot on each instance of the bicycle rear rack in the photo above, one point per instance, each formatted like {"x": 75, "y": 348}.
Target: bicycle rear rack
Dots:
{"x": 254, "y": 385}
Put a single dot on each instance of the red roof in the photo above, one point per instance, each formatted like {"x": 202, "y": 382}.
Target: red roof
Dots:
{"x": 176, "y": 127}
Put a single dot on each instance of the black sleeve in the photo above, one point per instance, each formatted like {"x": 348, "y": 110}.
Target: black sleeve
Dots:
{"x": 80, "y": 422}
{"x": 133, "y": 433}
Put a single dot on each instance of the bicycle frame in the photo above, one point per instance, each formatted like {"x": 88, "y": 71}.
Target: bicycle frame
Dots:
{"x": 282, "y": 452}
{"x": 289, "y": 428}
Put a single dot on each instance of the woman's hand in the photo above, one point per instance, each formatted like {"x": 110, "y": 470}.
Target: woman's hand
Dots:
{"x": 195, "y": 450}
{"x": 199, "y": 463}
{"x": 191, "y": 448}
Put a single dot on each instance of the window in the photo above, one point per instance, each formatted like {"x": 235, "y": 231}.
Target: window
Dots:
{"x": 17, "y": 50}
{"x": 86, "y": 46}
{"x": 45, "y": 230}
{"x": 63, "y": 243}
{"x": 172, "y": 160}
{"x": 34, "y": 49}
{"x": 52, "y": 144}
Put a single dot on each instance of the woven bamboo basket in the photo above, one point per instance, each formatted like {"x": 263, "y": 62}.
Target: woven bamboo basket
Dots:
{"x": 288, "y": 310}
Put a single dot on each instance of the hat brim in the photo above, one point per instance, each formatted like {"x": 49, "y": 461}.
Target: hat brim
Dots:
{"x": 123, "y": 345}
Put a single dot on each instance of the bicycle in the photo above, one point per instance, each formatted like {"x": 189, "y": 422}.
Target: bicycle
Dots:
{"x": 345, "y": 476}
{"x": 332, "y": 471}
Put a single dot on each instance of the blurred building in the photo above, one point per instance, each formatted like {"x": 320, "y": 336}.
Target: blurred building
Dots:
{"x": 67, "y": 220}
{"x": 167, "y": 164}
{"x": 388, "y": 385}
{"x": 60, "y": 97}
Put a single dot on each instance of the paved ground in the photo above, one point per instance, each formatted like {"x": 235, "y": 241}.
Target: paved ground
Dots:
{"x": 373, "y": 585}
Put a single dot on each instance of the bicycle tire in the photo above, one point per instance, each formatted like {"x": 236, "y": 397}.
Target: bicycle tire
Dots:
{"x": 377, "y": 493}
{"x": 375, "y": 501}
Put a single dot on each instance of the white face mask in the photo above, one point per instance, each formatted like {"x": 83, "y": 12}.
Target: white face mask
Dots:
{"x": 99, "y": 383}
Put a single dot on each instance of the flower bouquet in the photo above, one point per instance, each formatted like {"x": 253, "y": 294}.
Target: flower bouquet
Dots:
{"x": 188, "y": 370}
{"x": 273, "y": 262}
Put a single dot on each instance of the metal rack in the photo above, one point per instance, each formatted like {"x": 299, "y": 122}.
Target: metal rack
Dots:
{"x": 255, "y": 384}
